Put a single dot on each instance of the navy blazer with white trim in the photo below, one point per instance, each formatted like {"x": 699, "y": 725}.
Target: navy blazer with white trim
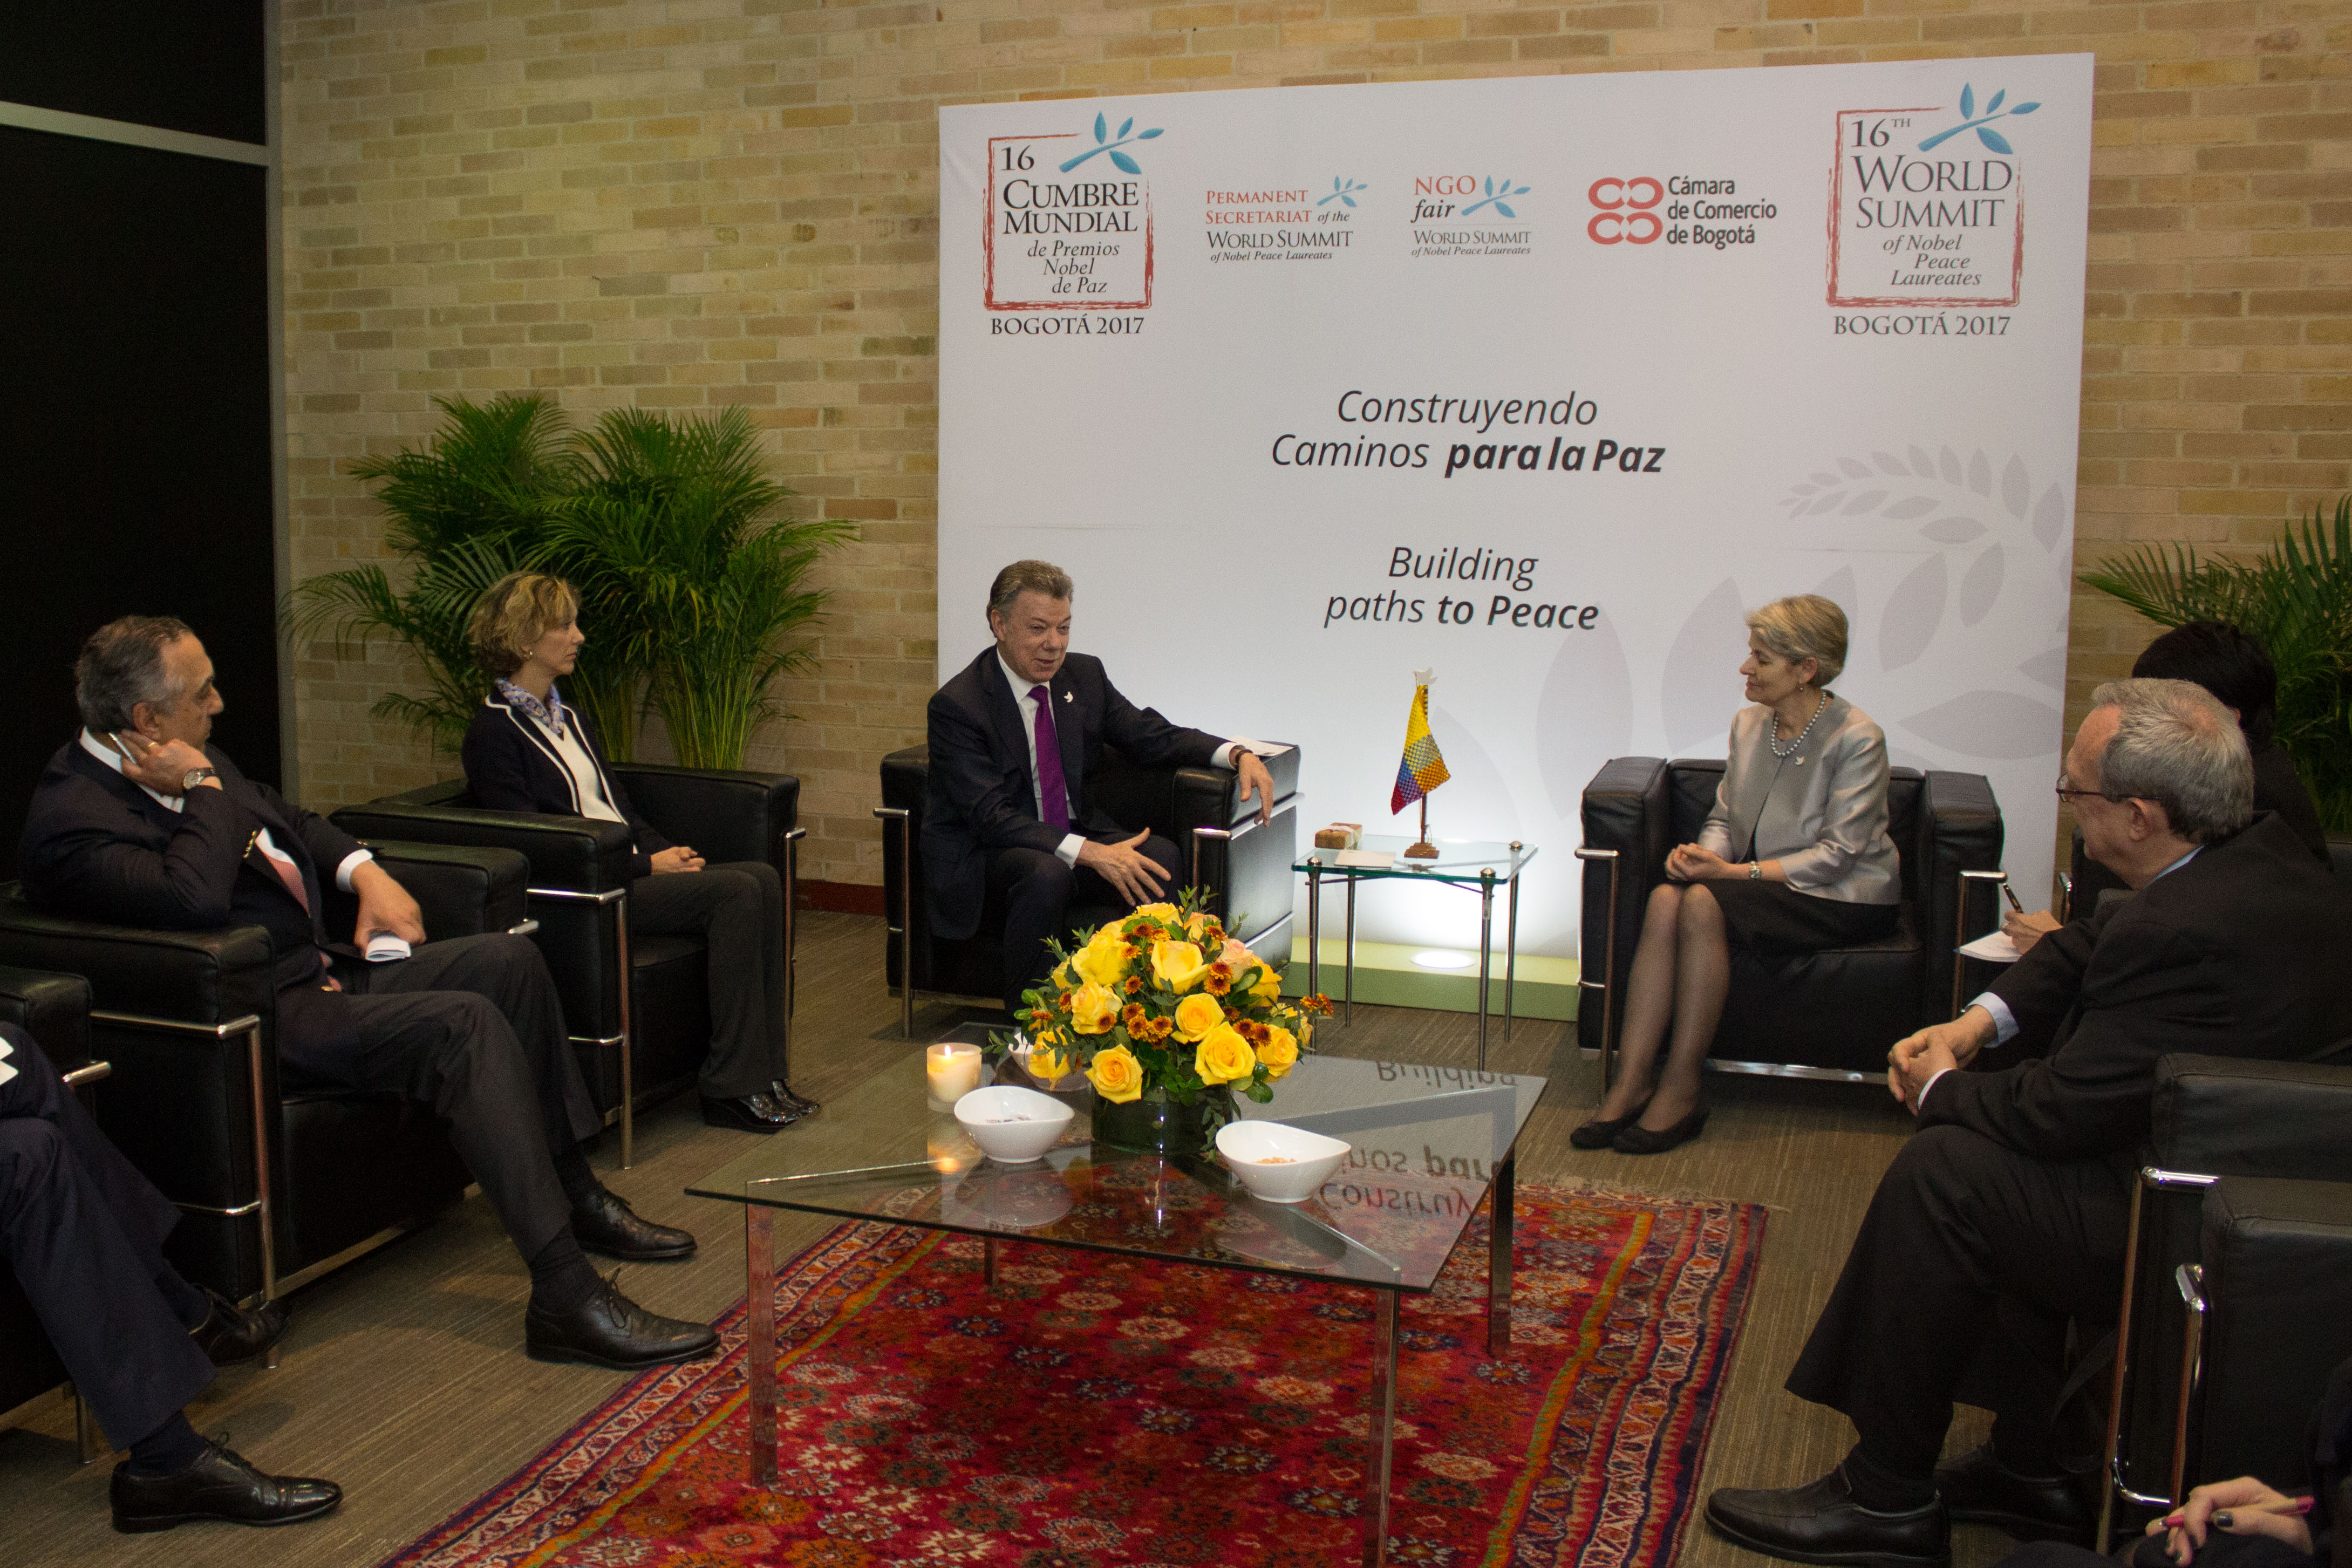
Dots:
{"x": 511, "y": 765}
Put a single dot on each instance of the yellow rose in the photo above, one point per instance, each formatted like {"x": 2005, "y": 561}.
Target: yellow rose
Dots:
{"x": 1196, "y": 1016}
{"x": 1046, "y": 1062}
{"x": 1101, "y": 961}
{"x": 1179, "y": 963}
{"x": 1268, "y": 984}
{"x": 1224, "y": 1056}
{"x": 1064, "y": 977}
{"x": 1116, "y": 1076}
{"x": 1164, "y": 913}
{"x": 1278, "y": 1051}
{"x": 1092, "y": 1009}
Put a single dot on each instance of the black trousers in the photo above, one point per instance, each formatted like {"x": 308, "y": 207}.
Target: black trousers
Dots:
{"x": 1042, "y": 898}
{"x": 470, "y": 1027}
{"x": 737, "y": 910}
{"x": 83, "y": 1233}
{"x": 1959, "y": 1286}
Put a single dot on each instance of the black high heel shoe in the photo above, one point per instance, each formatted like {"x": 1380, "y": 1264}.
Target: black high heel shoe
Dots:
{"x": 1639, "y": 1139}
{"x": 1600, "y": 1134}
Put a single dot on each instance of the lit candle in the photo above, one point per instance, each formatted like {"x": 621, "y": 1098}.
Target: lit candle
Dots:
{"x": 952, "y": 1071}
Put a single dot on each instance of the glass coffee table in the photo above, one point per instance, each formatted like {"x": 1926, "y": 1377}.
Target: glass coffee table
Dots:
{"x": 1472, "y": 866}
{"x": 1429, "y": 1144}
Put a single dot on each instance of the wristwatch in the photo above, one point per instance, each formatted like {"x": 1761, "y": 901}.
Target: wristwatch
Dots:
{"x": 193, "y": 777}
{"x": 1756, "y": 871}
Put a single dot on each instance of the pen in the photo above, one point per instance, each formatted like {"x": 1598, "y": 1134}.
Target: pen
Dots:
{"x": 2292, "y": 1507}
{"x": 2010, "y": 894}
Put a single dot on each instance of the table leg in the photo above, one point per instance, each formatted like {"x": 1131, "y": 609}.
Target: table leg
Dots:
{"x": 1510, "y": 952}
{"x": 760, "y": 1347}
{"x": 988, "y": 1261}
{"x": 1314, "y": 931}
{"x": 1486, "y": 953}
{"x": 1349, "y": 1016}
{"x": 1498, "y": 1259}
{"x": 1381, "y": 1431}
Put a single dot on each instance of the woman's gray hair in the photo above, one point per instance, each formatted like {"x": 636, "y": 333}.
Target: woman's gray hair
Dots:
{"x": 2176, "y": 745}
{"x": 1803, "y": 626}
{"x": 121, "y": 666}
{"x": 1026, "y": 577}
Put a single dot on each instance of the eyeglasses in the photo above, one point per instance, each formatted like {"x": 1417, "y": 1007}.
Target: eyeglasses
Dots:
{"x": 2070, "y": 795}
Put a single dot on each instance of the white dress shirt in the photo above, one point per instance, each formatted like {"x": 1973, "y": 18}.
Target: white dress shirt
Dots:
{"x": 262, "y": 841}
{"x": 2004, "y": 1022}
{"x": 1068, "y": 850}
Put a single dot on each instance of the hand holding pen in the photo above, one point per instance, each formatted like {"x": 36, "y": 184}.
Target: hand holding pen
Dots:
{"x": 2240, "y": 1507}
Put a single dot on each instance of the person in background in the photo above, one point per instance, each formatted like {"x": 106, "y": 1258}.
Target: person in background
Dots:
{"x": 1794, "y": 857}
{"x": 83, "y": 1232}
{"x": 528, "y": 750}
{"x": 2236, "y": 669}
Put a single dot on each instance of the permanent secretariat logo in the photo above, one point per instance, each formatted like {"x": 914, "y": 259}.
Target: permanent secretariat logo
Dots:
{"x": 1063, "y": 237}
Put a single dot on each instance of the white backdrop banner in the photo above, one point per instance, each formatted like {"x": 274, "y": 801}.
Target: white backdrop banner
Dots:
{"x": 1542, "y": 382}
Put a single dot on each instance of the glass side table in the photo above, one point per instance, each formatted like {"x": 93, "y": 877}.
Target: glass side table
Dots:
{"x": 1471, "y": 866}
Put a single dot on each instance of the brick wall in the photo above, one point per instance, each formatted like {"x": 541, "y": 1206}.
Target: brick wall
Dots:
{"x": 690, "y": 204}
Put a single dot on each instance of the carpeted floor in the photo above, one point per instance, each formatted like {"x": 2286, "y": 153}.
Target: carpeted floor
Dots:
{"x": 404, "y": 1379}
{"x": 1096, "y": 1410}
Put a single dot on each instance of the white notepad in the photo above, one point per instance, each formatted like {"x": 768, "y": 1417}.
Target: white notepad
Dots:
{"x": 1993, "y": 947}
{"x": 1368, "y": 859}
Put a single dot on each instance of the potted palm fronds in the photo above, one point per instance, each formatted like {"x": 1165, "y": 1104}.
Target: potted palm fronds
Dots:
{"x": 2298, "y": 599}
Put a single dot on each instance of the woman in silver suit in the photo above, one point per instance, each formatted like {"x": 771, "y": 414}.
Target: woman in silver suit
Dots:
{"x": 1794, "y": 857}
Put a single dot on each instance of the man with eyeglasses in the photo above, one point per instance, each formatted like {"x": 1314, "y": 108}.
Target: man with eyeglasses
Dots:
{"x": 2004, "y": 1217}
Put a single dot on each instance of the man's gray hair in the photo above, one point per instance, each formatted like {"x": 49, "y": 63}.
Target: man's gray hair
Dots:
{"x": 121, "y": 666}
{"x": 1026, "y": 577}
{"x": 2176, "y": 745}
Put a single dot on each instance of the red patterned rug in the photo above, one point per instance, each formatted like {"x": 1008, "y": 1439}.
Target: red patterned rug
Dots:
{"x": 1102, "y": 1412}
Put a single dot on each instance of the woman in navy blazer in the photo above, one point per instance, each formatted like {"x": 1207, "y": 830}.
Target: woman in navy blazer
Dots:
{"x": 528, "y": 750}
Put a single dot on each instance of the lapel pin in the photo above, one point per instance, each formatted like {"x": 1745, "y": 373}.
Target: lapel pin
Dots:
{"x": 1069, "y": 697}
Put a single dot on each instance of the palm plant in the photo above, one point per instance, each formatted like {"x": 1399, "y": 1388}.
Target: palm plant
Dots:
{"x": 463, "y": 510}
{"x": 687, "y": 579}
{"x": 2298, "y": 600}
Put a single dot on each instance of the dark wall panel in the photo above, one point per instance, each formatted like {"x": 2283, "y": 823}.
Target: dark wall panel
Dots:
{"x": 134, "y": 430}
{"x": 185, "y": 65}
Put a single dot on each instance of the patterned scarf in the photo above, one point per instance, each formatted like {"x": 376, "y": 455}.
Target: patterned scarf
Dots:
{"x": 550, "y": 713}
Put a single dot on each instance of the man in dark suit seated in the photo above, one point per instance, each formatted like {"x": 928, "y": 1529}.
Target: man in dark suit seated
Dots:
{"x": 2004, "y": 1216}
{"x": 138, "y": 822}
{"x": 83, "y": 1234}
{"x": 1006, "y": 813}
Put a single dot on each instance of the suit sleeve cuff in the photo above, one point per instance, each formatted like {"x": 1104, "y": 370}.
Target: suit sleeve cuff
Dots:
{"x": 1068, "y": 850}
{"x": 1921, "y": 1104}
{"x": 350, "y": 863}
{"x": 2004, "y": 1022}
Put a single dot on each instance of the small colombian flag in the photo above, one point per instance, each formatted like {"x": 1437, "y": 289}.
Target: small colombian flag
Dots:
{"x": 1422, "y": 769}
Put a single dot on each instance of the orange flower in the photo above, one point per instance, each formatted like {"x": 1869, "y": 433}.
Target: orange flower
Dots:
{"x": 1159, "y": 1028}
{"x": 1135, "y": 985}
{"x": 1132, "y": 1015}
{"x": 1220, "y": 980}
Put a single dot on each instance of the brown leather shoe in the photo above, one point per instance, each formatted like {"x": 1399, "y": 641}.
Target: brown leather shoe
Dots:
{"x": 220, "y": 1486}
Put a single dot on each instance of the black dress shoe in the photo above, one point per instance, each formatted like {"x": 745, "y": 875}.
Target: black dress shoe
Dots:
{"x": 755, "y": 1112}
{"x": 783, "y": 1094}
{"x": 610, "y": 1330}
{"x": 1598, "y": 1133}
{"x": 233, "y": 1333}
{"x": 1978, "y": 1489}
{"x": 219, "y": 1486}
{"x": 605, "y": 1224}
{"x": 1820, "y": 1522}
{"x": 1640, "y": 1140}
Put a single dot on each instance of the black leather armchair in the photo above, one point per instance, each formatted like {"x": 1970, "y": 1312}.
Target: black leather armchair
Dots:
{"x": 1243, "y": 867}
{"x": 1823, "y": 1015}
{"x": 2273, "y": 1133}
{"x": 645, "y": 1040}
{"x": 54, "y": 1010}
{"x": 273, "y": 1188}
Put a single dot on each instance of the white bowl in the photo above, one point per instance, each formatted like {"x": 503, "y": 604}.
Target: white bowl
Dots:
{"x": 1281, "y": 1164}
{"x": 1013, "y": 1125}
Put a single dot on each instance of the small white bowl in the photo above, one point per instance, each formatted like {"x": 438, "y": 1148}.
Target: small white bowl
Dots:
{"x": 1011, "y": 1125}
{"x": 1281, "y": 1164}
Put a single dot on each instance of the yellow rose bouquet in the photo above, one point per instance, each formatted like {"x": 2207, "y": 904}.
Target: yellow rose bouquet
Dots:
{"x": 1164, "y": 1007}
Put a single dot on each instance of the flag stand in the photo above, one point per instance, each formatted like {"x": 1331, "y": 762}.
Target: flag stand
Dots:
{"x": 1423, "y": 849}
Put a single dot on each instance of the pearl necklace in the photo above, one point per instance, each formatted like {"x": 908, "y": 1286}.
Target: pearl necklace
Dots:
{"x": 1800, "y": 741}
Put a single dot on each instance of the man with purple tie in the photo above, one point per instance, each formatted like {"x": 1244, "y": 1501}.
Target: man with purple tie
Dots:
{"x": 1007, "y": 826}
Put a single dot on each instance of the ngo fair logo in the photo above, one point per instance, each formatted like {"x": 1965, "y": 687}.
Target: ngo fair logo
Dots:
{"x": 1625, "y": 217}
{"x": 1056, "y": 243}
{"x": 1428, "y": 188}
{"x": 1934, "y": 226}
{"x": 1466, "y": 196}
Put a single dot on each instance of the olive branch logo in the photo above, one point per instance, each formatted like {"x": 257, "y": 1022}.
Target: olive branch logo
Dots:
{"x": 1105, "y": 144}
{"x": 1992, "y": 139}
{"x": 1343, "y": 192}
{"x": 1496, "y": 194}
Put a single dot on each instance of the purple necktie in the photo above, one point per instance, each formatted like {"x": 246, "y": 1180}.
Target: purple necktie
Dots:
{"x": 1054, "y": 794}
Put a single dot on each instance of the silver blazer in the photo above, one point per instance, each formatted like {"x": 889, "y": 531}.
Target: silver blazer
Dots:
{"x": 1820, "y": 812}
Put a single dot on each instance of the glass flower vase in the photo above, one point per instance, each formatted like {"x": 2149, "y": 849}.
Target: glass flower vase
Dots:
{"x": 1153, "y": 1123}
